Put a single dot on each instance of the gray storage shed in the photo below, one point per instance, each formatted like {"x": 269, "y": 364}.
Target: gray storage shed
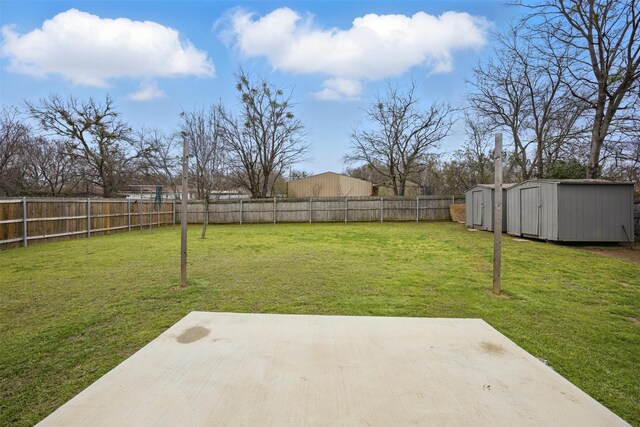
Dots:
{"x": 571, "y": 210}
{"x": 479, "y": 202}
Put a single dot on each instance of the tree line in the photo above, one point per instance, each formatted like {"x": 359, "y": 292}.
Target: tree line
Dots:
{"x": 562, "y": 86}
{"x": 78, "y": 145}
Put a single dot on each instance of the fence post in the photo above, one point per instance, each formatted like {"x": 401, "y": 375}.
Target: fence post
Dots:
{"x": 274, "y": 210}
{"x": 310, "y": 208}
{"x": 417, "y": 209}
{"x": 381, "y": 209}
{"x": 88, "y": 217}
{"x": 159, "y": 207}
{"x": 174, "y": 211}
{"x": 240, "y": 211}
{"x": 346, "y": 209}
{"x": 129, "y": 214}
{"x": 25, "y": 238}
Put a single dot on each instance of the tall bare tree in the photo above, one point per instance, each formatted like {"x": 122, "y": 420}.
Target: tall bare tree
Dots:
{"x": 265, "y": 138}
{"x": 402, "y": 135}
{"x": 202, "y": 129}
{"x": 93, "y": 132}
{"x": 521, "y": 91}
{"x": 15, "y": 137}
{"x": 163, "y": 162}
{"x": 603, "y": 40}
{"x": 476, "y": 153}
{"x": 51, "y": 168}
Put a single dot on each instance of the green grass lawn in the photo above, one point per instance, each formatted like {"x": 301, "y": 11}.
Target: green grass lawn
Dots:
{"x": 73, "y": 310}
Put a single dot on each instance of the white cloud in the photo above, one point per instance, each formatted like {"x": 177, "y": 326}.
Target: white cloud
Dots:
{"x": 375, "y": 47}
{"x": 336, "y": 89}
{"x": 88, "y": 50}
{"x": 147, "y": 92}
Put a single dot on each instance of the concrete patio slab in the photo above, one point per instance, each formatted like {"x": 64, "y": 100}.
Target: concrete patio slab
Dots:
{"x": 263, "y": 369}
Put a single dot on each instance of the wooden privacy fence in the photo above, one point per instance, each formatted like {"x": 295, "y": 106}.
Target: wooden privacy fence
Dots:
{"x": 25, "y": 220}
{"x": 49, "y": 219}
{"x": 344, "y": 209}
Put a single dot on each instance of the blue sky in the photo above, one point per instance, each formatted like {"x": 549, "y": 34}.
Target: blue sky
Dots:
{"x": 169, "y": 56}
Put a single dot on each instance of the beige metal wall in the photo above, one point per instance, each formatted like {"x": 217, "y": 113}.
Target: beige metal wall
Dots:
{"x": 411, "y": 189}
{"x": 329, "y": 184}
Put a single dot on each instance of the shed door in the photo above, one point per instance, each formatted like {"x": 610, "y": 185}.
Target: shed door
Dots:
{"x": 529, "y": 203}
{"x": 477, "y": 207}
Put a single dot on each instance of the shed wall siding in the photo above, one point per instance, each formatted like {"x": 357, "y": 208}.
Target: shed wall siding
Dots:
{"x": 468, "y": 209}
{"x": 589, "y": 213}
{"x": 487, "y": 202}
{"x": 549, "y": 211}
{"x": 544, "y": 220}
{"x": 505, "y": 217}
{"x": 487, "y": 209}
{"x": 513, "y": 211}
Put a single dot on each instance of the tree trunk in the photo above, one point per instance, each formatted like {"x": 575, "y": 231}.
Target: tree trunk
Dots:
{"x": 403, "y": 183}
{"x": 593, "y": 167}
{"x": 539, "y": 163}
{"x": 265, "y": 187}
{"x": 521, "y": 156}
{"x": 206, "y": 218}
{"x": 106, "y": 190}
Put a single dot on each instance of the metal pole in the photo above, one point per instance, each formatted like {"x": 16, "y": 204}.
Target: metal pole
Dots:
{"x": 417, "y": 209}
{"x": 240, "y": 211}
{"x": 25, "y": 238}
{"x": 88, "y": 217}
{"x": 381, "y": 209}
{"x": 274, "y": 210}
{"x": 183, "y": 213}
{"x": 346, "y": 209}
{"x": 129, "y": 214}
{"x": 310, "y": 211}
{"x": 159, "y": 207}
{"x": 497, "y": 217}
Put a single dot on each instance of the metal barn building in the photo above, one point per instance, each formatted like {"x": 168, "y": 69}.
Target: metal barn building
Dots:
{"x": 571, "y": 210}
{"x": 329, "y": 184}
{"x": 411, "y": 189}
{"x": 479, "y": 202}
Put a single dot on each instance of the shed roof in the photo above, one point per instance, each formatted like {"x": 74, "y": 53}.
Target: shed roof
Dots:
{"x": 578, "y": 182}
{"x": 504, "y": 185}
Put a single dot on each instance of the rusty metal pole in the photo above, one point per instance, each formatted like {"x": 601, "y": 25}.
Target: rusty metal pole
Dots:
{"x": 497, "y": 216}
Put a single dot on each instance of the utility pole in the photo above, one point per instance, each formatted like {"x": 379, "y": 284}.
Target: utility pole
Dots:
{"x": 497, "y": 216}
{"x": 184, "y": 213}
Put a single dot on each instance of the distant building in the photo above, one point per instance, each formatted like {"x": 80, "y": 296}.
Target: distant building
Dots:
{"x": 148, "y": 192}
{"x": 411, "y": 189}
{"x": 329, "y": 184}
